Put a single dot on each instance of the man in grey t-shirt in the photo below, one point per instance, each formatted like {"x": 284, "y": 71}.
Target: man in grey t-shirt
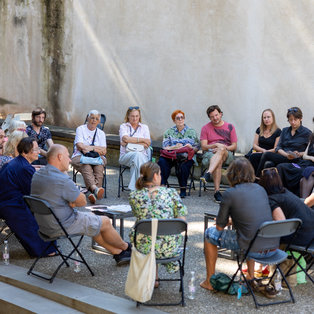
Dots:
{"x": 52, "y": 184}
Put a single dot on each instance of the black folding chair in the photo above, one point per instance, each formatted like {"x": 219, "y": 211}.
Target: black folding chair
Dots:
{"x": 166, "y": 227}
{"x": 307, "y": 252}
{"x": 40, "y": 207}
{"x": 121, "y": 186}
{"x": 269, "y": 229}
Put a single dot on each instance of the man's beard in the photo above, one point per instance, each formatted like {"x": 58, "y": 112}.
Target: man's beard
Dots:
{"x": 38, "y": 123}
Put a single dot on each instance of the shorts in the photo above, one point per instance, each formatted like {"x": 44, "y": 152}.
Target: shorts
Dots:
{"x": 209, "y": 154}
{"x": 85, "y": 223}
{"x": 226, "y": 238}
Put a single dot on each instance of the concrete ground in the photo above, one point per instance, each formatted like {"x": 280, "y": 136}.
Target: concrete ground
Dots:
{"x": 111, "y": 279}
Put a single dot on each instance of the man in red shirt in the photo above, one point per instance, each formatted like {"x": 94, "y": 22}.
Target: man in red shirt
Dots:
{"x": 218, "y": 141}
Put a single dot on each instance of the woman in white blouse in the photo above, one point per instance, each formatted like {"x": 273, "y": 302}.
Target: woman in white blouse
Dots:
{"x": 134, "y": 132}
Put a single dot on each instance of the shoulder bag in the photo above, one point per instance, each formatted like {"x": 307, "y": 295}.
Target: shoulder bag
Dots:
{"x": 142, "y": 272}
{"x": 133, "y": 147}
{"x": 92, "y": 154}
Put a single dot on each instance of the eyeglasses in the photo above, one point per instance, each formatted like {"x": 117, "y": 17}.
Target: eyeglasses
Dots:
{"x": 180, "y": 118}
{"x": 272, "y": 169}
{"x": 35, "y": 150}
{"x": 134, "y": 108}
{"x": 293, "y": 110}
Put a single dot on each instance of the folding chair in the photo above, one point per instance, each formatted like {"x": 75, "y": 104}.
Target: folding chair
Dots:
{"x": 307, "y": 252}
{"x": 166, "y": 227}
{"x": 41, "y": 207}
{"x": 121, "y": 186}
{"x": 269, "y": 229}
{"x": 8, "y": 233}
{"x": 190, "y": 184}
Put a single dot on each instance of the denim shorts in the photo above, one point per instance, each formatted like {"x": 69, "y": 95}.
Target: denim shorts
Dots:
{"x": 226, "y": 238}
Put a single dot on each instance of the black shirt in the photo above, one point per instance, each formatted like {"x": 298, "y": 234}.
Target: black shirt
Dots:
{"x": 267, "y": 142}
{"x": 293, "y": 207}
{"x": 297, "y": 142}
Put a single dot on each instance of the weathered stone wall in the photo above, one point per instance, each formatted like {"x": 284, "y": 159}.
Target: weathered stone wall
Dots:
{"x": 73, "y": 56}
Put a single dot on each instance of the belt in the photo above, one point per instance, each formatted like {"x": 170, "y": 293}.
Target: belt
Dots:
{"x": 266, "y": 251}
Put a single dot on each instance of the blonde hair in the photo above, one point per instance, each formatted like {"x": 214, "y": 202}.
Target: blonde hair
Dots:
{"x": 14, "y": 138}
{"x": 16, "y": 125}
{"x": 130, "y": 109}
{"x": 273, "y": 127}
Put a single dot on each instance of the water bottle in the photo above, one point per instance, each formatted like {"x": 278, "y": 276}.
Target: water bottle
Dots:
{"x": 77, "y": 264}
{"x": 192, "y": 288}
{"x": 277, "y": 281}
{"x": 6, "y": 255}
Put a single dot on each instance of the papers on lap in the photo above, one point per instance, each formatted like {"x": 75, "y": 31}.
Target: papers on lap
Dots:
{"x": 112, "y": 208}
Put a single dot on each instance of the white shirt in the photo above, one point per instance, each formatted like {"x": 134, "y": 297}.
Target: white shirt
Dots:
{"x": 85, "y": 135}
{"x": 126, "y": 129}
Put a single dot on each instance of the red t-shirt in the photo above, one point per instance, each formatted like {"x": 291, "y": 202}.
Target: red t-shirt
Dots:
{"x": 224, "y": 134}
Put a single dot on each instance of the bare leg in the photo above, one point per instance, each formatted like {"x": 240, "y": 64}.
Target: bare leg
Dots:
{"x": 250, "y": 269}
{"x": 306, "y": 186}
{"x": 211, "y": 253}
{"x": 109, "y": 238}
{"x": 156, "y": 280}
{"x": 215, "y": 166}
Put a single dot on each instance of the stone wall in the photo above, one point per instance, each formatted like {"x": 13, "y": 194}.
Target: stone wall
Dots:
{"x": 72, "y": 56}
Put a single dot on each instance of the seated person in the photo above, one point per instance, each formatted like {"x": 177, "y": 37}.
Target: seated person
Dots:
{"x": 246, "y": 203}
{"x": 16, "y": 125}
{"x": 266, "y": 138}
{"x": 10, "y": 150}
{"x": 41, "y": 133}
{"x": 52, "y": 184}
{"x": 174, "y": 138}
{"x": 292, "y": 142}
{"x": 133, "y": 131}
{"x": 219, "y": 142}
{"x": 15, "y": 182}
{"x": 286, "y": 205}
{"x": 150, "y": 200}
{"x": 89, "y": 138}
{"x": 291, "y": 174}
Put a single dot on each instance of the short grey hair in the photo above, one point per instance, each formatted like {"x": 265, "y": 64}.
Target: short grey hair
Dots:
{"x": 94, "y": 112}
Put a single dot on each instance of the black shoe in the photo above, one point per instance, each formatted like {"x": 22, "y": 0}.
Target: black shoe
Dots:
{"x": 218, "y": 197}
{"x": 182, "y": 192}
{"x": 206, "y": 177}
{"x": 124, "y": 257}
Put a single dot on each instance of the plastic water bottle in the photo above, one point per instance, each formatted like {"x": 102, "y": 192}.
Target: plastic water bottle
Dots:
{"x": 6, "y": 254}
{"x": 192, "y": 288}
{"x": 277, "y": 281}
{"x": 77, "y": 264}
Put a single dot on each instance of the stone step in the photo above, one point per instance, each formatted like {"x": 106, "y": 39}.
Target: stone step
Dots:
{"x": 17, "y": 300}
{"x": 65, "y": 293}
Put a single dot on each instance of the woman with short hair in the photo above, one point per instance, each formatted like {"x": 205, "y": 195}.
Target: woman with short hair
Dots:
{"x": 133, "y": 131}
{"x": 15, "y": 182}
{"x": 177, "y": 137}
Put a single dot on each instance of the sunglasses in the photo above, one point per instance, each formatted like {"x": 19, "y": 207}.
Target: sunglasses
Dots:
{"x": 180, "y": 118}
{"x": 272, "y": 169}
{"x": 293, "y": 110}
{"x": 134, "y": 108}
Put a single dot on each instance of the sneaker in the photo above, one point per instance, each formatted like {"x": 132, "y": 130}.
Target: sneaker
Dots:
{"x": 218, "y": 196}
{"x": 99, "y": 193}
{"x": 206, "y": 177}
{"x": 182, "y": 193}
{"x": 124, "y": 257}
{"x": 92, "y": 198}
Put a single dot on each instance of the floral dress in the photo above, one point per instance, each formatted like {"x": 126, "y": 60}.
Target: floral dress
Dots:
{"x": 165, "y": 204}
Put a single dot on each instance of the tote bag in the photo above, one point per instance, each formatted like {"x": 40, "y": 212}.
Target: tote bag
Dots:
{"x": 142, "y": 272}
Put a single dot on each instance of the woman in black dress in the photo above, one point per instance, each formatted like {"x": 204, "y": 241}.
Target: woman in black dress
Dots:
{"x": 266, "y": 137}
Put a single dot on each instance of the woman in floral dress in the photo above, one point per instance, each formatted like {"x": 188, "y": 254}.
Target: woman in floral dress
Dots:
{"x": 150, "y": 200}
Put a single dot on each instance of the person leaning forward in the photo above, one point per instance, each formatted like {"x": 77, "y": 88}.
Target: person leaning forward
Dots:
{"x": 219, "y": 142}
{"x": 53, "y": 184}
{"x": 93, "y": 174}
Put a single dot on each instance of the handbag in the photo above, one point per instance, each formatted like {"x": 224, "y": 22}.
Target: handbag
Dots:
{"x": 92, "y": 154}
{"x": 142, "y": 272}
{"x": 132, "y": 147}
{"x": 182, "y": 154}
{"x": 91, "y": 160}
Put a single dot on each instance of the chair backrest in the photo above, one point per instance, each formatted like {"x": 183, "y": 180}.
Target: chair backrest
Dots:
{"x": 279, "y": 228}
{"x": 102, "y": 122}
{"x": 165, "y": 226}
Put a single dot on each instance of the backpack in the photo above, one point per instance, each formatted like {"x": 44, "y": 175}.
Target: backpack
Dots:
{"x": 221, "y": 281}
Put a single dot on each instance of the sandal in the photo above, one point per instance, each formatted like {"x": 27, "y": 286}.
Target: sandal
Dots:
{"x": 267, "y": 290}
